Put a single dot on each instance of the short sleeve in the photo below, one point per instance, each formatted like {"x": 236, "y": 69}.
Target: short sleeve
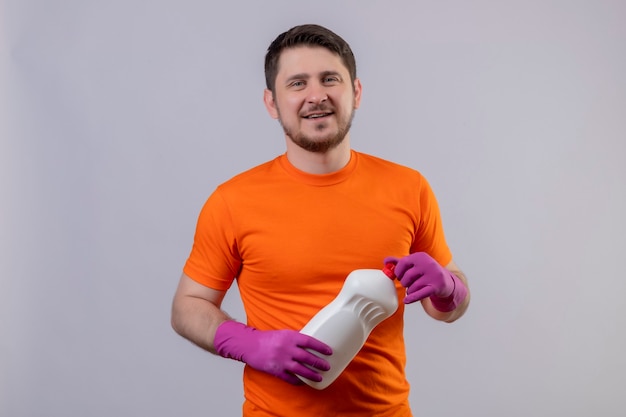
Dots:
{"x": 214, "y": 260}
{"x": 430, "y": 236}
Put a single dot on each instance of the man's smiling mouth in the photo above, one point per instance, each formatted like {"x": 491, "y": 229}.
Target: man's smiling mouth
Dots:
{"x": 317, "y": 115}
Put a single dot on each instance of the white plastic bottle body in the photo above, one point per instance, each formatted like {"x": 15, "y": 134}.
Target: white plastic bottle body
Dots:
{"x": 367, "y": 297}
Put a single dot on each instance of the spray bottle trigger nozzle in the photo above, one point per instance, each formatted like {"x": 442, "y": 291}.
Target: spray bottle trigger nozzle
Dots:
{"x": 388, "y": 270}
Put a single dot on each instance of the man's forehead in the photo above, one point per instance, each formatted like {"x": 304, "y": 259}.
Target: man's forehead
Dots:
{"x": 309, "y": 60}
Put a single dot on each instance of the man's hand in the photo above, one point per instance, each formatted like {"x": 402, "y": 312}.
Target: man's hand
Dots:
{"x": 282, "y": 353}
{"x": 423, "y": 277}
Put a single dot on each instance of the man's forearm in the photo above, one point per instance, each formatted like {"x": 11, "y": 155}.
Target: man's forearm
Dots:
{"x": 196, "y": 320}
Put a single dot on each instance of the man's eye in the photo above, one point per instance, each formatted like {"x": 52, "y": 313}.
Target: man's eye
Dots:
{"x": 331, "y": 79}
{"x": 297, "y": 84}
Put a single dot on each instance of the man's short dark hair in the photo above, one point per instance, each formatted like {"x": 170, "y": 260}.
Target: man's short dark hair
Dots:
{"x": 307, "y": 35}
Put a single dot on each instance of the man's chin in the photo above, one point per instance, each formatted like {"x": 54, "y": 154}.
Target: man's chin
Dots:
{"x": 317, "y": 145}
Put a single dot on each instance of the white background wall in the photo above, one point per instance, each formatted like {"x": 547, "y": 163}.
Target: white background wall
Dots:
{"x": 119, "y": 118}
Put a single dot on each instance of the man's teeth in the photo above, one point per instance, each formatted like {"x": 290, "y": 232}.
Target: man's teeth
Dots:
{"x": 315, "y": 116}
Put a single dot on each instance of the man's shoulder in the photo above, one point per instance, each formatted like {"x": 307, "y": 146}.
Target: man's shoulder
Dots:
{"x": 251, "y": 175}
{"x": 376, "y": 163}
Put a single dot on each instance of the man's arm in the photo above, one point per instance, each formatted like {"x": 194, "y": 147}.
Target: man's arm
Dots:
{"x": 196, "y": 312}
{"x": 286, "y": 354}
{"x": 455, "y": 314}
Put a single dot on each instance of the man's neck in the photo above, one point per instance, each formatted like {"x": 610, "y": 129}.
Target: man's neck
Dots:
{"x": 319, "y": 162}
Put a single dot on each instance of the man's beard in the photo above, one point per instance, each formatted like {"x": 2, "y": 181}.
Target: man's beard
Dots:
{"x": 323, "y": 144}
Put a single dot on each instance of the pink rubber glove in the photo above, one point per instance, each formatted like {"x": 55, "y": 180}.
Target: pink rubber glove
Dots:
{"x": 423, "y": 277}
{"x": 281, "y": 353}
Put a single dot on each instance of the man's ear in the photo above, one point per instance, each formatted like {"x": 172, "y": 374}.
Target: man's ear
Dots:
{"x": 270, "y": 104}
{"x": 357, "y": 93}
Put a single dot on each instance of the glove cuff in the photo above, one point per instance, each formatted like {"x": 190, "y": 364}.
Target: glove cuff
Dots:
{"x": 230, "y": 339}
{"x": 451, "y": 302}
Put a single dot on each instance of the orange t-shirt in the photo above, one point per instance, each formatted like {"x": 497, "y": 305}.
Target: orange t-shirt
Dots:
{"x": 290, "y": 239}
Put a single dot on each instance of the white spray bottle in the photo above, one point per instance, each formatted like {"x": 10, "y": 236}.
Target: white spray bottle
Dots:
{"x": 368, "y": 297}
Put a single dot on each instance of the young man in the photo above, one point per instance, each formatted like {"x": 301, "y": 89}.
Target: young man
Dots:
{"x": 291, "y": 230}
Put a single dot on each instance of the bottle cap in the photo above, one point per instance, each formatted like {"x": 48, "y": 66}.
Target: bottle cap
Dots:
{"x": 388, "y": 270}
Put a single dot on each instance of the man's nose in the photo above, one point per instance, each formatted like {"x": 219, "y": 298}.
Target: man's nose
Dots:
{"x": 317, "y": 94}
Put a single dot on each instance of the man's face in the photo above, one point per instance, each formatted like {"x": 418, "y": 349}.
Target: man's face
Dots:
{"x": 314, "y": 98}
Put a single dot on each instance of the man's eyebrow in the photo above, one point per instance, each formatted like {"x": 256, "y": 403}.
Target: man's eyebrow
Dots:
{"x": 301, "y": 76}
{"x": 327, "y": 73}
{"x": 305, "y": 76}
